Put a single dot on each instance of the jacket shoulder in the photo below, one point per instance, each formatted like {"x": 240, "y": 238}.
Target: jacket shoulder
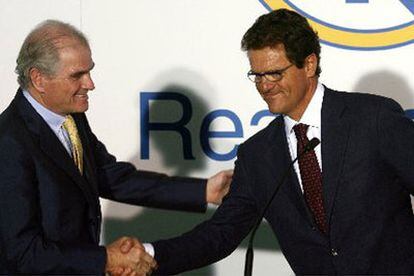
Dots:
{"x": 259, "y": 139}
{"x": 362, "y": 99}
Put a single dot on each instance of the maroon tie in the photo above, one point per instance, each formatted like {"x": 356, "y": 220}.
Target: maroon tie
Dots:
{"x": 311, "y": 178}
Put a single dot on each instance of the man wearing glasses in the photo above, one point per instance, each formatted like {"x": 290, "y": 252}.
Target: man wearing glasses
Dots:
{"x": 356, "y": 216}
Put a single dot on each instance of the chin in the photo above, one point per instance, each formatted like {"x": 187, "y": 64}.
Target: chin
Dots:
{"x": 275, "y": 106}
{"x": 84, "y": 107}
{"x": 274, "y": 109}
{"x": 80, "y": 109}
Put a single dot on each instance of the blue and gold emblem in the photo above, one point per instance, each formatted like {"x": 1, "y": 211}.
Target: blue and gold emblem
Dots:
{"x": 356, "y": 24}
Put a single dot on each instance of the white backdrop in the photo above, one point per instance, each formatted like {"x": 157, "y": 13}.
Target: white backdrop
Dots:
{"x": 192, "y": 47}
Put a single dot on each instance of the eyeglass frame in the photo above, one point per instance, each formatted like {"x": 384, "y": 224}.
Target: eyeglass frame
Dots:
{"x": 265, "y": 75}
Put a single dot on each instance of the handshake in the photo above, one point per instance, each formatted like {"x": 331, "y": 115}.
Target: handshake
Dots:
{"x": 127, "y": 256}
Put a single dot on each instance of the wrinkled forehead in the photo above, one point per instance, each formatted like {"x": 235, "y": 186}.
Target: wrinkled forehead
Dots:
{"x": 74, "y": 56}
{"x": 268, "y": 58}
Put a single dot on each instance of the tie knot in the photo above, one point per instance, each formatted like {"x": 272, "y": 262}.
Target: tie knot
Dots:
{"x": 69, "y": 123}
{"x": 300, "y": 131}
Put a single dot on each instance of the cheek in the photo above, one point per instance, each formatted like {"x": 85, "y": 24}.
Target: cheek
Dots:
{"x": 68, "y": 91}
{"x": 63, "y": 95}
{"x": 294, "y": 85}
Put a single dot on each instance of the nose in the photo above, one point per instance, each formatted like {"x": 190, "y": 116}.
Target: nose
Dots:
{"x": 264, "y": 85}
{"x": 88, "y": 82}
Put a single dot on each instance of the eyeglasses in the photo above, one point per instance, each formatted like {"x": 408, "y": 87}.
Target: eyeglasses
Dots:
{"x": 272, "y": 76}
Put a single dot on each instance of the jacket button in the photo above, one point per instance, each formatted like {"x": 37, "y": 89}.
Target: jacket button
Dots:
{"x": 334, "y": 252}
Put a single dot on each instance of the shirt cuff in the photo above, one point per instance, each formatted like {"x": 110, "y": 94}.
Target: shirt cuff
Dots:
{"x": 149, "y": 249}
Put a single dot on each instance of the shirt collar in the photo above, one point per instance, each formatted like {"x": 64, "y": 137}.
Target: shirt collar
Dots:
{"x": 54, "y": 120}
{"x": 312, "y": 114}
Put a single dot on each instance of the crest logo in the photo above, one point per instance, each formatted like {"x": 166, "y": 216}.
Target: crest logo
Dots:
{"x": 356, "y": 24}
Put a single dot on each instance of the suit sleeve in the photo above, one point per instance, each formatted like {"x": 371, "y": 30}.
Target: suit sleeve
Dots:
{"x": 396, "y": 141}
{"x": 121, "y": 181}
{"x": 213, "y": 239}
{"x": 24, "y": 246}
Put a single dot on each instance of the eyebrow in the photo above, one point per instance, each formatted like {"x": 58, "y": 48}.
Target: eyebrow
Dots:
{"x": 277, "y": 71}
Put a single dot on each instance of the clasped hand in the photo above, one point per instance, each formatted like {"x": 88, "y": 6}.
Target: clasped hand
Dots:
{"x": 127, "y": 256}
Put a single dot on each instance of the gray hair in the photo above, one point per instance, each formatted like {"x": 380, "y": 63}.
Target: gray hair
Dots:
{"x": 41, "y": 48}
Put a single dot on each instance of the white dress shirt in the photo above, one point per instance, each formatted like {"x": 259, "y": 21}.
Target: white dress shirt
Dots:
{"x": 312, "y": 118}
{"x": 53, "y": 120}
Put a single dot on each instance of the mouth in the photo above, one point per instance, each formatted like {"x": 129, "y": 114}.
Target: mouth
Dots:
{"x": 270, "y": 95}
{"x": 82, "y": 96}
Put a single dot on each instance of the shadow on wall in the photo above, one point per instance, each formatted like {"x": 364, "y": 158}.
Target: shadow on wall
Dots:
{"x": 152, "y": 224}
{"x": 169, "y": 144}
{"x": 391, "y": 85}
{"x": 388, "y": 84}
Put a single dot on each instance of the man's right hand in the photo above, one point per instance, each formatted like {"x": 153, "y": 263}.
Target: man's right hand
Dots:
{"x": 133, "y": 261}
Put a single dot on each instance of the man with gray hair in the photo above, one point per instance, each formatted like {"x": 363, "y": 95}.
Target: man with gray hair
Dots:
{"x": 53, "y": 169}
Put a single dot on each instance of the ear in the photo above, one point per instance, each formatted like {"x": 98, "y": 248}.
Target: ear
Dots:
{"x": 37, "y": 79}
{"x": 311, "y": 63}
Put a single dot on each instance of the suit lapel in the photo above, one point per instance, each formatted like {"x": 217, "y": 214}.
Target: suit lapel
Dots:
{"x": 50, "y": 144}
{"x": 278, "y": 159}
{"x": 88, "y": 160}
{"x": 335, "y": 134}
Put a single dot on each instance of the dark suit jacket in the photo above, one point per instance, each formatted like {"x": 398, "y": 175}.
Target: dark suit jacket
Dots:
{"x": 368, "y": 176}
{"x": 50, "y": 215}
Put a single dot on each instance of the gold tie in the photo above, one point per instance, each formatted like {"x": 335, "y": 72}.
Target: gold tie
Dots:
{"x": 77, "y": 151}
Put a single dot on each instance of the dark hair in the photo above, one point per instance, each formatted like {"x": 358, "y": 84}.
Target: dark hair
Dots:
{"x": 284, "y": 27}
